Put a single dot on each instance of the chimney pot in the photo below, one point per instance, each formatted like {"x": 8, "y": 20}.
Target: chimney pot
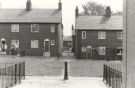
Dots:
{"x": 28, "y": 5}
{"x": 76, "y": 12}
{"x": 108, "y": 11}
{"x": 60, "y": 5}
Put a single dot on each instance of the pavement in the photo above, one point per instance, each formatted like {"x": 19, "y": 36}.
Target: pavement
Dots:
{"x": 58, "y": 82}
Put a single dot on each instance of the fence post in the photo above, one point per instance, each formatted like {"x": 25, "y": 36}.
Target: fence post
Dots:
{"x": 15, "y": 74}
{"x": 66, "y": 71}
{"x": 23, "y": 70}
{"x": 104, "y": 72}
{"x": 19, "y": 75}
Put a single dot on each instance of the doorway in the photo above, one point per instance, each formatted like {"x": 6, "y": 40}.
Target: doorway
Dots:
{"x": 89, "y": 52}
{"x": 3, "y": 46}
{"x": 47, "y": 47}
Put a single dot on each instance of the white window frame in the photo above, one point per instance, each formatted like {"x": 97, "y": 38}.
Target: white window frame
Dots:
{"x": 14, "y": 27}
{"x": 83, "y": 34}
{"x": 101, "y": 35}
{"x": 34, "y": 43}
{"x": 36, "y": 27}
{"x": 121, "y": 51}
{"x": 52, "y": 42}
{"x": 119, "y": 35}
{"x": 52, "y": 28}
{"x": 102, "y": 50}
{"x": 83, "y": 49}
{"x": 16, "y": 45}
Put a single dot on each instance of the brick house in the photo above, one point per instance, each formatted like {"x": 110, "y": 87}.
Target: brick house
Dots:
{"x": 33, "y": 31}
{"x": 98, "y": 37}
{"x": 67, "y": 43}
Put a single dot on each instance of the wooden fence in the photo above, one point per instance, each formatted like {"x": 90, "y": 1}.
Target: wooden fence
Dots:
{"x": 112, "y": 76}
{"x": 11, "y": 74}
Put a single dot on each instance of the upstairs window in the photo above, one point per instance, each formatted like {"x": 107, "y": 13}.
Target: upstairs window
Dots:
{"x": 14, "y": 27}
{"x": 34, "y": 27}
{"x": 119, "y": 35}
{"x": 101, "y": 35}
{"x": 15, "y": 43}
{"x": 101, "y": 50}
{"x": 52, "y": 28}
{"x": 83, "y": 34}
{"x": 34, "y": 44}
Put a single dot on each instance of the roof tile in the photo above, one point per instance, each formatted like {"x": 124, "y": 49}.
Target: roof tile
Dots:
{"x": 35, "y": 15}
{"x": 99, "y": 22}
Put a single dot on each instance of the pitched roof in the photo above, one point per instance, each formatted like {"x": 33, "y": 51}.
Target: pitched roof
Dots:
{"x": 99, "y": 22}
{"x": 35, "y": 15}
{"x": 67, "y": 38}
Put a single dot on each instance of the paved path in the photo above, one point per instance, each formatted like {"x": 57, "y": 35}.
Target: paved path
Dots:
{"x": 57, "y": 82}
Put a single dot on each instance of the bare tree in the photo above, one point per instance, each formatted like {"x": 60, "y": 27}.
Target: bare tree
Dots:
{"x": 92, "y": 8}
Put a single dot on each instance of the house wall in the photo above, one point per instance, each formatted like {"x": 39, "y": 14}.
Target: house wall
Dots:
{"x": 128, "y": 63}
{"x": 25, "y": 36}
{"x": 111, "y": 42}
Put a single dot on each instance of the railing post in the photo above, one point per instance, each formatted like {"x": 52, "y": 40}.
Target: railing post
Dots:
{"x": 19, "y": 75}
{"x": 23, "y": 70}
{"x": 15, "y": 74}
{"x": 104, "y": 72}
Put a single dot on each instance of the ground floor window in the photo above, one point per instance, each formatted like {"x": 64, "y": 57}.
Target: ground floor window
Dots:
{"x": 83, "y": 49}
{"x": 119, "y": 51}
{"x": 34, "y": 43}
{"x": 101, "y": 50}
{"x": 52, "y": 42}
{"x": 15, "y": 43}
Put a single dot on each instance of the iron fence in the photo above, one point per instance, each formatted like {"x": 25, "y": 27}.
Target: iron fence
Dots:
{"x": 112, "y": 76}
{"x": 11, "y": 74}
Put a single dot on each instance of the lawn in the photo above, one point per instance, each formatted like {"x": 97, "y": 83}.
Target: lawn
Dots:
{"x": 37, "y": 66}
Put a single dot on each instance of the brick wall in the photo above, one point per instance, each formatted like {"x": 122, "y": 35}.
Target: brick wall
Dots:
{"x": 25, "y": 36}
{"x": 111, "y": 41}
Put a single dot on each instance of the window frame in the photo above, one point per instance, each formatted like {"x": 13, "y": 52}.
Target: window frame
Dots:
{"x": 84, "y": 49}
{"x": 101, "y": 35}
{"x": 52, "y": 42}
{"x": 33, "y": 45}
{"x": 14, "y": 41}
{"x": 121, "y": 49}
{"x": 100, "y": 50}
{"x": 36, "y": 28}
{"x": 14, "y": 27}
{"x": 83, "y": 34}
{"x": 119, "y": 35}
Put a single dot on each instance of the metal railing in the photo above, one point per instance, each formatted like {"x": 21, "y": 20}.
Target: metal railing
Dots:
{"x": 112, "y": 76}
{"x": 11, "y": 74}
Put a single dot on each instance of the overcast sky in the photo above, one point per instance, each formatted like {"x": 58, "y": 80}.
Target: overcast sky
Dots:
{"x": 68, "y": 7}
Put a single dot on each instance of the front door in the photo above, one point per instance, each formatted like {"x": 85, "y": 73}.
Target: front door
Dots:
{"x": 47, "y": 47}
{"x": 89, "y": 52}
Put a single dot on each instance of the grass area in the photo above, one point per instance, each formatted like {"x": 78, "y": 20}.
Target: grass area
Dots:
{"x": 37, "y": 66}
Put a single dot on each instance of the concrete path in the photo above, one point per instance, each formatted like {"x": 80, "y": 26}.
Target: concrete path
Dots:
{"x": 57, "y": 82}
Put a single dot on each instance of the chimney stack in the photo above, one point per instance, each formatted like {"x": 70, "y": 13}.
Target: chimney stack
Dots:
{"x": 76, "y": 12}
{"x": 108, "y": 11}
{"x": 60, "y": 5}
{"x": 73, "y": 30}
{"x": 28, "y": 5}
